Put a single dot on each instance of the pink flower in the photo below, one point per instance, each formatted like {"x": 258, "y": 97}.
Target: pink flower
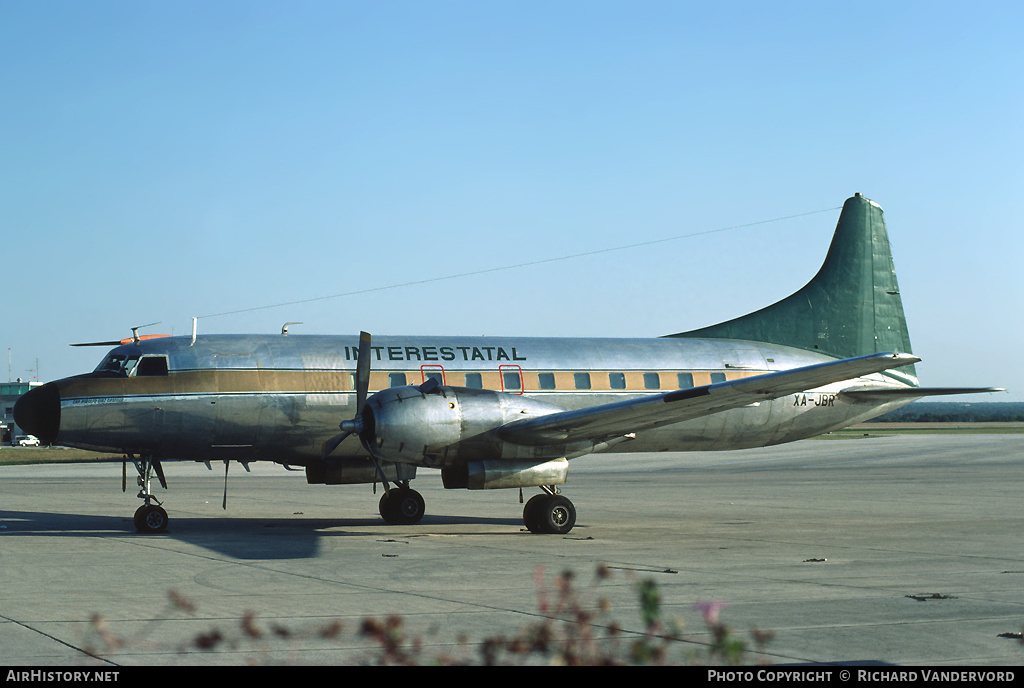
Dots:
{"x": 710, "y": 610}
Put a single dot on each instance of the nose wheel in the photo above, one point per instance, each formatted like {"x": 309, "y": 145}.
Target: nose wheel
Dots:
{"x": 151, "y": 518}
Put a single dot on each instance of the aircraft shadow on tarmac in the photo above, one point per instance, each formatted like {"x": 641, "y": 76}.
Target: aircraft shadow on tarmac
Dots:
{"x": 245, "y": 538}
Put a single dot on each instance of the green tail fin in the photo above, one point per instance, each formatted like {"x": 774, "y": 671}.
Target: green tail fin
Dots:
{"x": 852, "y": 307}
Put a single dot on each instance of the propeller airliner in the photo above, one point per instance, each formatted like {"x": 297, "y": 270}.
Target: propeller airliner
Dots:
{"x": 499, "y": 412}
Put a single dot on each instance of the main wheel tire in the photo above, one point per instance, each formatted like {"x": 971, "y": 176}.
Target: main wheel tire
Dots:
{"x": 531, "y": 513}
{"x": 552, "y": 514}
{"x": 402, "y": 506}
{"x": 558, "y": 516}
{"x": 151, "y": 519}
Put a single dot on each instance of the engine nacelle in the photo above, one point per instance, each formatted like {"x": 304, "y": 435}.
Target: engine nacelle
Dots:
{"x": 435, "y": 425}
{"x": 351, "y": 471}
{"x": 496, "y": 475}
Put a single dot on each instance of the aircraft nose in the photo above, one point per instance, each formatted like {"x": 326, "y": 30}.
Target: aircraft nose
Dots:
{"x": 37, "y": 412}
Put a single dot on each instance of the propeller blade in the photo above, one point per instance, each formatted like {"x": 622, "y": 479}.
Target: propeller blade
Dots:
{"x": 332, "y": 444}
{"x": 224, "y": 503}
{"x": 158, "y": 467}
{"x": 136, "y": 337}
{"x": 362, "y": 371}
{"x": 353, "y": 426}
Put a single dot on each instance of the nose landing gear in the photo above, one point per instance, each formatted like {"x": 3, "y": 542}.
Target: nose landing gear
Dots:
{"x": 150, "y": 518}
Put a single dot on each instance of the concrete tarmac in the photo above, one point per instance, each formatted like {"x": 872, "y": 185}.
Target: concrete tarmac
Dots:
{"x": 905, "y": 550}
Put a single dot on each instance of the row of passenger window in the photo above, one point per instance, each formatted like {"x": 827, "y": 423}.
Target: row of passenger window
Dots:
{"x": 513, "y": 381}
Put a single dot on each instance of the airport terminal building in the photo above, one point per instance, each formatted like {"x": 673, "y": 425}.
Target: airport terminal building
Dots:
{"x": 9, "y": 393}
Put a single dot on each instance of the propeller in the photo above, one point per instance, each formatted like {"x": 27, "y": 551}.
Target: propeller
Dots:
{"x": 136, "y": 337}
{"x": 354, "y": 426}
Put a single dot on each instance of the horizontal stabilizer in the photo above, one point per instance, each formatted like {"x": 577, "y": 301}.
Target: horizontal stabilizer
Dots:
{"x": 877, "y": 394}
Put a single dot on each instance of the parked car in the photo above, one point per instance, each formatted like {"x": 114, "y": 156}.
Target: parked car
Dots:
{"x": 26, "y": 441}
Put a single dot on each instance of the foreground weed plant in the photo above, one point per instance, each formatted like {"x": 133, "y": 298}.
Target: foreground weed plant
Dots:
{"x": 574, "y": 627}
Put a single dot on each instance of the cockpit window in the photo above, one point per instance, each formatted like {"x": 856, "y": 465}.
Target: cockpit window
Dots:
{"x": 152, "y": 365}
{"x": 130, "y": 366}
{"x": 118, "y": 363}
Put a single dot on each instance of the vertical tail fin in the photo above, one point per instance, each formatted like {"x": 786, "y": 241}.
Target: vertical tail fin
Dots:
{"x": 850, "y": 308}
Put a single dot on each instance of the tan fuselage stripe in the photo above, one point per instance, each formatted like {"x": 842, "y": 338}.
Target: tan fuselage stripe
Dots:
{"x": 227, "y": 381}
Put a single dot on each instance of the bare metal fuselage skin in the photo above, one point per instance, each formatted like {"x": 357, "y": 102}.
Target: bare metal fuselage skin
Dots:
{"x": 279, "y": 398}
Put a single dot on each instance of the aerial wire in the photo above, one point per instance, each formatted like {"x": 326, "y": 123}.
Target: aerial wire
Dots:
{"x": 516, "y": 266}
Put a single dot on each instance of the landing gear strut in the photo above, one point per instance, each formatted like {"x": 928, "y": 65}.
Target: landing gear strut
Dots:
{"x": 150, "y": 517}
{"x": 549, "y": 513}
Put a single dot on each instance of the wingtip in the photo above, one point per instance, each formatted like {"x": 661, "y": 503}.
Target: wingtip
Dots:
{"x": 898, "y": 359}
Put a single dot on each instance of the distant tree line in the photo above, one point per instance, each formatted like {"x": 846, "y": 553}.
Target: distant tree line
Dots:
{"x": 955, "y": 412}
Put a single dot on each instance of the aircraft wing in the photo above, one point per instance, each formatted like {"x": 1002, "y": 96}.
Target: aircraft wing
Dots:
{"x": 624, "y": 417}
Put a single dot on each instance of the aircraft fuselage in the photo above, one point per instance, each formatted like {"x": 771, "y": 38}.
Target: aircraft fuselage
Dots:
{"x": 249, "y": 397}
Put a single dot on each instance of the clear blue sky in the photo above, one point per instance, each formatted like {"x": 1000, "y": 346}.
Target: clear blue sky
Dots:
{"x": 164, "y": 160}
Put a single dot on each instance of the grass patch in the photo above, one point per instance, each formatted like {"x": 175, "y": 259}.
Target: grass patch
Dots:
{"x": 23, "y": 456}
{"x": 890, "y": 429}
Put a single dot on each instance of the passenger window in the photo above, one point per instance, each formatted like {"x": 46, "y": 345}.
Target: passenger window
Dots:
{"x": 652, "y": 381}
{"x": 151, "y": 366}
{"x": 582, "y": 380}
{"x": 432, "y": 372}
{"x": 685, "y": 380}
{"x": 546, "y": 380}
{"x": 396, "y": 380}
{"x": 474, "y": 381}
{"x": 512, "y": 382}
{"x": 617, "y": 380}
{"x": 717, "y": 377}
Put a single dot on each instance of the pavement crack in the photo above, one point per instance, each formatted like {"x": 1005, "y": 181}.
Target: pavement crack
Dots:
{"x": 58, "y": 640}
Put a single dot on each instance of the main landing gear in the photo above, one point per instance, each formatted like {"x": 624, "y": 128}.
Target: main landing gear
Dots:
{"x": 402, "y": 505}
{"x": 549, "y": 513}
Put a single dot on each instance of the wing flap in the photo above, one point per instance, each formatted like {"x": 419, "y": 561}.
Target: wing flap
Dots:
{"x": 644, "y": 413}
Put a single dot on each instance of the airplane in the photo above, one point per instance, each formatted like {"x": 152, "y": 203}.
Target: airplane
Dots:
{"x": 499, "y": 412}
